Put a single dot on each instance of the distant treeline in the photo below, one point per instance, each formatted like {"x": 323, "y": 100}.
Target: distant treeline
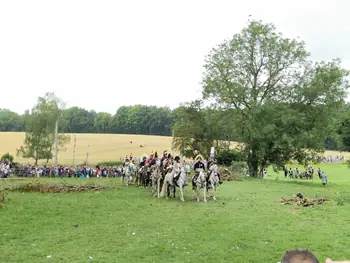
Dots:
{"x": 137, "y": 119}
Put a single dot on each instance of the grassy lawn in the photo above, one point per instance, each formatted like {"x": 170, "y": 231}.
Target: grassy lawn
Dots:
{"x": 246, "y": 224}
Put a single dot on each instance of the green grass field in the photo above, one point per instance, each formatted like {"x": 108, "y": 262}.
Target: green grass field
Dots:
{"x": 246, "y": 224}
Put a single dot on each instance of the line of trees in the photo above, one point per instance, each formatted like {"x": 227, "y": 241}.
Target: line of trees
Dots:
{"x": 137, "y": 119}
{"x": 152, "y": 120}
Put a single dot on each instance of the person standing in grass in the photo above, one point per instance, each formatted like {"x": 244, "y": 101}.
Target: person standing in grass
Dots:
{"x": 324, "y": 178}
{"x": 319, "y": 172}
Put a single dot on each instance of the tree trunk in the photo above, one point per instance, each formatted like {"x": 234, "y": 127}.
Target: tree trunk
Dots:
{"x": 253, "y": 163}
{"x": 263, "y": 165}
{"x": 36, "y": 161}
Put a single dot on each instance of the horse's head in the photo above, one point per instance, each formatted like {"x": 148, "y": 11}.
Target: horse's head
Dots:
{"x": 169, "y": 168}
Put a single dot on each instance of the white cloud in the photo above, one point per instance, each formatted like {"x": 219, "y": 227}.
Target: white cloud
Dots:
{"x": 104, "y": 54}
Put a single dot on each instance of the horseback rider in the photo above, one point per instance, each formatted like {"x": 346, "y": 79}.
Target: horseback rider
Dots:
{"x": 210, "y": 164}
{"x": 197, "y": 166}
{"x": 153, "y": 160}
{"x": 150, "y": 158}
{"x": 163, "y": 158}
{"x": 142, "y": 163}
{"x": 126, "y": 164}
{"x": 176, "y": 169}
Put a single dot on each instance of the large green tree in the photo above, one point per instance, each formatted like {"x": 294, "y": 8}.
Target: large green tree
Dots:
{"x": 40, "y": 129}
{"x": 192, "y": 134}
{"x": 283, "y": 103}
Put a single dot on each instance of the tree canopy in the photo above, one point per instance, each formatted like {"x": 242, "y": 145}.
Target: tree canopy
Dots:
{"x": 283, "y": 102}
{"x": 40, "y": 129}
{"x": 265, "y": 92}
{"x": 270, "y": 96}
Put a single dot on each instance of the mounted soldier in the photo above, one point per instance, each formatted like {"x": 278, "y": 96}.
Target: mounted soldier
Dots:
{"x": 143, "y": 162}
{"x": 198, "y": 166}
{"x": 153, "y": 160}
{"x": 211, "y": 164}
{"x": 164, "y": 158}
{"x": 150, "y": 158}
{"x": 126, "y": 163}
{"x": 176, "y": 169}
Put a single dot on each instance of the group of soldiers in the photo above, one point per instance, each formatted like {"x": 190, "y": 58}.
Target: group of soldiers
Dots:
{"x": 307, "y": 174}
{"x": 175, "y": 163}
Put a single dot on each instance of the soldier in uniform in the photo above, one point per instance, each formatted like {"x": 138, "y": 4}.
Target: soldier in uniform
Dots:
{"x": 176, "y": 168}
{"x": 198, "y": 165}
{"x": 212, "y": 162}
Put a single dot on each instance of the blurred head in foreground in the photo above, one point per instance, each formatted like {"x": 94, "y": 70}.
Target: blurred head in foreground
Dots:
{"x": 299, "y": 255}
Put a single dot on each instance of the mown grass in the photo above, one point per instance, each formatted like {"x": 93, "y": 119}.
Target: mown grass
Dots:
{"x": 246, "y": 224}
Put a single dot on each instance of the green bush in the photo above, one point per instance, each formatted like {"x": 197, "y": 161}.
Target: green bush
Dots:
{"x": 227, "y": 157}
{"x": 239, "y": 168}
{"x": 111, "y": 163}
{"x": 7, "y": 156}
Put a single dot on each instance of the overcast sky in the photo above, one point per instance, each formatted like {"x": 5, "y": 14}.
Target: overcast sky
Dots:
{"x": 104, "y": 54}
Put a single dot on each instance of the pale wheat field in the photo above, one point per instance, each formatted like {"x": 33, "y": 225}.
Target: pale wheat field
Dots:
{"x": 102, "y": 147}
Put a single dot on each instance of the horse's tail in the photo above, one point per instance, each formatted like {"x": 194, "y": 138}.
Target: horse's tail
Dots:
{"x": 162, "y": 193}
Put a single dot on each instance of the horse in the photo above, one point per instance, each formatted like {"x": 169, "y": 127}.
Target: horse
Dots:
{"x": 127, "y": 173}
{"x": 155, "y": 177}
{"x": 137, "y": 176}
{"x": 201, "y": 182}
{"x": 164, "y": 170}
{"x": 213, "y": 180}
{"x": 180, "y": 181}
{"x": 144, "y": 175}
{"x": 119, "y": 171}
{"x": 187, "y": 169}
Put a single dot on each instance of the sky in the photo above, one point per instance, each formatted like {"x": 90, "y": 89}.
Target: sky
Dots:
{"x": 103, "y": 54}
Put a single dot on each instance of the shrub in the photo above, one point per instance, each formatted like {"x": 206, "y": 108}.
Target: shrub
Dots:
{"x": 7, "y": 156}
{"x": 239, "y": 168}
{"x": 228, "y": 156}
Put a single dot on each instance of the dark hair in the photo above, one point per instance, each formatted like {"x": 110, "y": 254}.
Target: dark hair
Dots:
{"x": 177, "y": 158}
{"x": 299, "y": 255}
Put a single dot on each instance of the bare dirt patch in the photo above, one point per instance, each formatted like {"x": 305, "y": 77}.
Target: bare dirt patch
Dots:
{"x": 303, "y": 201}
{"x": 59, "y": 188}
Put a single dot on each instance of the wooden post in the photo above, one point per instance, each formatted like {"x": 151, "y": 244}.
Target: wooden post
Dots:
{"x": 75, "y": 143}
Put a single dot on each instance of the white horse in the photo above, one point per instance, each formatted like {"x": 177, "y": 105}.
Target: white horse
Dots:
{"x": 155, "y": 177}
{"x": 201, "y": 182}
{"x": 129, "y": 170}
{"x": 180, "y": 182}
{"x": 187, "y": 168}
{"x": 213, "y": 179}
